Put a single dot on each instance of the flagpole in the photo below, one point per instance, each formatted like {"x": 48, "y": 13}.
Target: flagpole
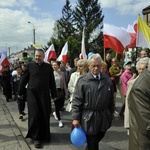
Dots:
{"x": 104, "y": 54}
{"x": 116, "y": 55}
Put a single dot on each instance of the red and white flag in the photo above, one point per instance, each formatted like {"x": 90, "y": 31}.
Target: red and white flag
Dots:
{"x": 3, "y": 61}
{"x": 63, "y": 55}
{"x": 132, "y": 29}
{"x": 116, "y": 38}
{"x": 50, "y": 53}
{"x": 83, "y": 53}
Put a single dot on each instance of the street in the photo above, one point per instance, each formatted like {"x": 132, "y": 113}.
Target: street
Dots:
{"x": 13, "y": 131}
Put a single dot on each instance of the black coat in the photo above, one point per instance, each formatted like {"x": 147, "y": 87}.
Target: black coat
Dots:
{"x": 6, "y": 84}
{"x": 40, "y": 82}
{"x": 93, "y": 103}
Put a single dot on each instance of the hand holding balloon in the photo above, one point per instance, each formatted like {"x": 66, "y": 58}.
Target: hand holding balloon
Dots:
{"x": 78, "y": 137}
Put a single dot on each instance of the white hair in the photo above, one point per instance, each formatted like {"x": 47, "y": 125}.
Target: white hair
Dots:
{"x": 142, "y": 61}
{"x": 95, "y": 56}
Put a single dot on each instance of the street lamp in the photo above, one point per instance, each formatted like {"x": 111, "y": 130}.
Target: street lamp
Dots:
{"x": 33, "y": 32}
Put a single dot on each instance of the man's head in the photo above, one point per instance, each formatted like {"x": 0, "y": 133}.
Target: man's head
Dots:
{"x": 19, "y": 70}
{"x": 39, "y": 56}
{"x": 143, "y": 53}
{"x": 94, "y": 63}
{"x": 108, "y": 56}
{"x": 6, "y": 67}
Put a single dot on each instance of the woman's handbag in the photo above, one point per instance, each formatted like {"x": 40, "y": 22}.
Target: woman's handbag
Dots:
{"x": 69, "y": 106}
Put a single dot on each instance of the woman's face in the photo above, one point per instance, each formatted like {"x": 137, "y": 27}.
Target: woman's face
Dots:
{"x": 55, "y": 66}
{"x": 103, "y": 69}
{"x": 80, "y": 68}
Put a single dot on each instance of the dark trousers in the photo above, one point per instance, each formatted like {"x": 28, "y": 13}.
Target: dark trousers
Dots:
{"x": 93, "y": 141}
{"x": 57, "y": 108}
{"x": 61, "y": 97}
{"x": 21, "y": 105}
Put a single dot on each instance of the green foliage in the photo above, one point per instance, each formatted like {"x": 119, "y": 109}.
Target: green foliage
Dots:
{"x": 26, "y": 59}
{"x": 87, "y": 14}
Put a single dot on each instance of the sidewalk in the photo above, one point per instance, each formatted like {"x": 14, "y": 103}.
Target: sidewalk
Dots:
{"x": 13, "y": 131}
{"x": 10, "y": 135}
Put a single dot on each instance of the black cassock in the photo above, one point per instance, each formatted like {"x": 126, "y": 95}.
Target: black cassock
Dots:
{"x": 40, "y": 83}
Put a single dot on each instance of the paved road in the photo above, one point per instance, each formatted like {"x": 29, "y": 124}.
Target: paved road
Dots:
{"x": 13, "y": 131}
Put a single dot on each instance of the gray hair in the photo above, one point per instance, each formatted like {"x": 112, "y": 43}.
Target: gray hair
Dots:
{"x": 95, "y": 57}
{"x": 143, "y": 61}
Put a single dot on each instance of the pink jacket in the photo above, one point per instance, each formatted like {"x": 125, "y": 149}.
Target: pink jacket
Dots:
{"x": 125, "y": 77}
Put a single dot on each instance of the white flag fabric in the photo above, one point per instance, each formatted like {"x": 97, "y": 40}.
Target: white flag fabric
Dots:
{"x": 63, "y": 55}
{"x": 3, "y": 61}
{"x": 83, "y": 53}
{"x": 50, "y": 53}
{"x": 116, "y": 38}
{"x": 132, "y": 29}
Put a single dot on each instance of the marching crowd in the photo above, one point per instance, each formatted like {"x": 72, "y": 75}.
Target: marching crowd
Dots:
{"x": 90, "y": 88}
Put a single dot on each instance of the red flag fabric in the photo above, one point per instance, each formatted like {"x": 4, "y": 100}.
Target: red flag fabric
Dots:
{"x": 63, "y": 55}
{"x": 3, "y": 61}
{"x": 116, "y": 38}
{"x": 50, "y": 53}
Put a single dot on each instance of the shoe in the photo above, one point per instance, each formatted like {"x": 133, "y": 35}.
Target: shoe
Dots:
{"x": 60, "y": 124}
{"x": 54, "y": 114}
{"x": 21, "y": 117}
{"x": 37, "y": 144}
{"x": 116, "y": 114}
{"x": 23, "y": 113}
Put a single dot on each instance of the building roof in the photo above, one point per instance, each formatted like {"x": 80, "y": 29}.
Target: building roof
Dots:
{"x": 146, "y": 10}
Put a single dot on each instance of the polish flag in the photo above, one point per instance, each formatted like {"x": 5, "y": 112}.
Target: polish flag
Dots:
{"x": 63, "y": 55}
{"x": 83, "y": 53}
{"x": 3, "y": 61}
{"x": 132, "y": 29}
{"x": 116, "y": 38}
{"x": 50, "y": 53}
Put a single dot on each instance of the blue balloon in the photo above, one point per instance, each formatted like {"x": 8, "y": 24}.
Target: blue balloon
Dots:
{"x": 90, "y": 54}
{"x": 78, "y": 137}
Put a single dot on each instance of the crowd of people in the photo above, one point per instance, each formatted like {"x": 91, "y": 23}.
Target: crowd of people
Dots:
{"x": 90, "y": 89}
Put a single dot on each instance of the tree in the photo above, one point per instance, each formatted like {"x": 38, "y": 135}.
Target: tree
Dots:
{"x": 88, "y": 14}
{"x": 70, "y": 26}
{"x": 66, "y": 22}
{"x": 63, "y": 28}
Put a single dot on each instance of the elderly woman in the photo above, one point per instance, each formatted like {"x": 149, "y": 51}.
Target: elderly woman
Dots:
{"x": 82, "y": 68}
{"x": 141, "y": 64}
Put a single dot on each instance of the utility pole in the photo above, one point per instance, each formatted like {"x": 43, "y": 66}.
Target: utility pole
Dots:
{"x": 9, "y": 51}
{"x": 33, "y": 34}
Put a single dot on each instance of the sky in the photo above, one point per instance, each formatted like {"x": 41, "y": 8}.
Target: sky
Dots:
{"x": 16, "y": 33}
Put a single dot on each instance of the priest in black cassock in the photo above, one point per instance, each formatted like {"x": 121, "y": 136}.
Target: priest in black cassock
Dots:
{"x": 40, "y": 82}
